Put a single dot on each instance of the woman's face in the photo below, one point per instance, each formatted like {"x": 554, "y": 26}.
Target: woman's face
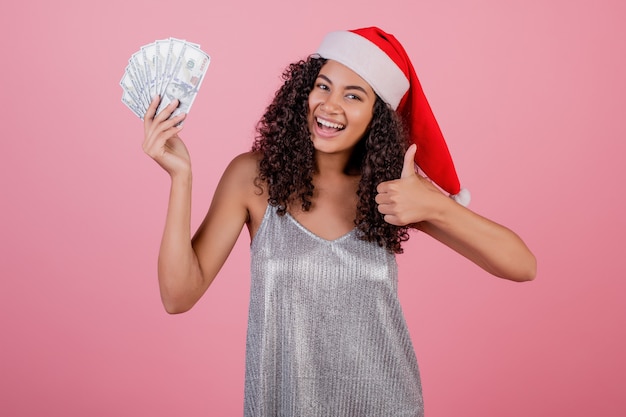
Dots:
{"x": 341, "y": 105}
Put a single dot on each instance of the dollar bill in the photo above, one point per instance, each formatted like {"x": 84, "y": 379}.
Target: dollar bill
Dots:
{"x": 170, "y": 68}
{"x": 131, "y": 93}
{"x": 185, "y": 80}
{"x": 149, "y": 56}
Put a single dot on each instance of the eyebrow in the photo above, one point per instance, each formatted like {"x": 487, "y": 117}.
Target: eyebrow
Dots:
{"x": 348, "y": 87}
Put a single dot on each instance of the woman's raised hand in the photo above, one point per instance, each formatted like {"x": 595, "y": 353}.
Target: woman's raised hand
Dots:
{"x": 161, "y": 141}
{"x": 410, "y": 198}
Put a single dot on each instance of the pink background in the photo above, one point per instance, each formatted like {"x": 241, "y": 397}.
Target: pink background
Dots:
{"x": 531, "y": 95}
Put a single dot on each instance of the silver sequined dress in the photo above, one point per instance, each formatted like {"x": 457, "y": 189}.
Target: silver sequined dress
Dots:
{"x": 326, "y": 334}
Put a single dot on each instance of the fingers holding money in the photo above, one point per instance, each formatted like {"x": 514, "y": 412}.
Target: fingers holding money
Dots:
{"x": 152, "y": 109}
{"x": 159, "y": 85}
{"x": 153, "y": 112}
{"x": 161, "y": 140}
{"x": 162, "y": 121}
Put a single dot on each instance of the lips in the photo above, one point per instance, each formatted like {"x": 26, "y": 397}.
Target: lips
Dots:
{"x": 328, "y": 125}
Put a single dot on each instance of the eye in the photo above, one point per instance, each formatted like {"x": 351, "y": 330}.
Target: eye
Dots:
{"x": 322, "y": 86}
{"x": 354, "y": 97}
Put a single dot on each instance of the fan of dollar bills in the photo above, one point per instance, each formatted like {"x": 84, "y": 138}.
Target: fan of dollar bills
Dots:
{"x": 171, "y": 68}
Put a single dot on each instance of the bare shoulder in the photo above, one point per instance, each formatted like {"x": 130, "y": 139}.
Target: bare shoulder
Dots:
{"x": 237, "y": 202}
{"x": 241, "y": 181}
{"x": 243, "y": 163}
{"x": 242, "y": 171}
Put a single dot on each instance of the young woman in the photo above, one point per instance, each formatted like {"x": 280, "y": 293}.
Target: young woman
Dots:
{"x": 328, "y": 194}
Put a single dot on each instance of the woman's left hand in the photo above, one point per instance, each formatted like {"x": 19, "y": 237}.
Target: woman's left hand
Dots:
{"x": 413, "y": 200}
{"x": 409, "y": 199}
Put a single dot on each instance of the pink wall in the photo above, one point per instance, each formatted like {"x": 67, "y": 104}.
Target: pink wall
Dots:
{"x": 530, "y": 94}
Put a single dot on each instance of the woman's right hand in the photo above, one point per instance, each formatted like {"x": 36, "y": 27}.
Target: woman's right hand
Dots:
{"x": 161, "y": 140}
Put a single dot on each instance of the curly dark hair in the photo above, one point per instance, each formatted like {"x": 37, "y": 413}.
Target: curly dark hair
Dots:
{"x": 287, "y": 163}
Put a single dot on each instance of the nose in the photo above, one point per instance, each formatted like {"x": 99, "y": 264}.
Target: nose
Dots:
{"x": 331, "y": 104}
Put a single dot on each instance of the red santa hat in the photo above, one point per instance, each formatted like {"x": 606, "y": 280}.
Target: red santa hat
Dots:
{"x": 380, "y": 59}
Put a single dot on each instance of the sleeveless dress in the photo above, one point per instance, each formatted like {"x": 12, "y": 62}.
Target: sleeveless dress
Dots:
{"x": 326, "y": 334}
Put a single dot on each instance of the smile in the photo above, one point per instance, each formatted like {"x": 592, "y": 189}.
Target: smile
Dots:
{"x": 326, "y": 123}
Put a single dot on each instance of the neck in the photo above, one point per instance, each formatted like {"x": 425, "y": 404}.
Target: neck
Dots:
{"x": 333, "y": 165}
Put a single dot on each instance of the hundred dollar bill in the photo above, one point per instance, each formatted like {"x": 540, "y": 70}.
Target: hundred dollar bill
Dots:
{"x": 185, "y": 80}
{"x": 149, "y": 56}
{"x": 170, "y": 68}
{"x": 131, "y": 94}
{"x": 137, "y": 73}
{"x": 162, "y": 48}
{"x": 131, "y": 104}
{"x": 176, "y": 49}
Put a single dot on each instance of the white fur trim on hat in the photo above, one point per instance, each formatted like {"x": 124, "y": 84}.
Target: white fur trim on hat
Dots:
{"x": 463, "y": 197}
{"x": 369, "y": 61}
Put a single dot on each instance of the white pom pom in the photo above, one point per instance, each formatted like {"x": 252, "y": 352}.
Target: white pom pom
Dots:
{"x": 463, "y": 197}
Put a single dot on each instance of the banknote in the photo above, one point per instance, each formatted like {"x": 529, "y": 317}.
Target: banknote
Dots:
{"x": 170, "y": 68}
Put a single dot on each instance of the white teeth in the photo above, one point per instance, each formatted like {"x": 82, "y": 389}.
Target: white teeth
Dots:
{"x": 329, "y": 124}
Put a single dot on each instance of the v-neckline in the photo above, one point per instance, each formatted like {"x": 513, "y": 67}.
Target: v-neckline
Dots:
{"x": 315, "y": 235}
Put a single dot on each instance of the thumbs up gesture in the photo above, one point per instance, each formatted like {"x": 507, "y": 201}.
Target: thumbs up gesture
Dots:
{"x": 409, "y": 199}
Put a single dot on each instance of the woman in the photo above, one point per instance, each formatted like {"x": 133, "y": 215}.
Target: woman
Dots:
{"x": 328, "y": 194}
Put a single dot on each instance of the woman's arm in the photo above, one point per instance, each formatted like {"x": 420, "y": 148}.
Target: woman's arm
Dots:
{"x": 495, "y": 248}
{"x": 413, "y": 200}
{"x": 186, "y": 269}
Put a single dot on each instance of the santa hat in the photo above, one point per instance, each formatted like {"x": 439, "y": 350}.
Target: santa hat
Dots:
{"x": 381, "y": 60}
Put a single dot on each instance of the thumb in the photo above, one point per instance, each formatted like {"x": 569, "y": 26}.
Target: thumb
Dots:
{"x": 408, "y": 169}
